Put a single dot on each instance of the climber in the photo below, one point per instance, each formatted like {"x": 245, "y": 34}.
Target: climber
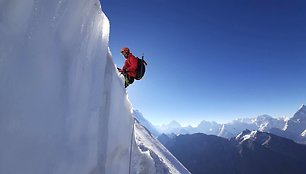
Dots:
{"x": 129, "y": 70}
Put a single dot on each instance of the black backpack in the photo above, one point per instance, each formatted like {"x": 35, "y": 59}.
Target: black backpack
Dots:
{"x": 141, "y": 68}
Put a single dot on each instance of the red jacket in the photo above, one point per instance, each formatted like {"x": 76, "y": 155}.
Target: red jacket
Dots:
{"x": 130, "y": 65}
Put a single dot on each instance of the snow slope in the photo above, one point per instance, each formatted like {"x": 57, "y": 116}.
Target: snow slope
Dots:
{"x": 143, "y": 121}
{"x": 63, "y": 108}
{"x": 297, "y": 124}
{"x": 164, "y": 161}
{"x": 295, "y": 127}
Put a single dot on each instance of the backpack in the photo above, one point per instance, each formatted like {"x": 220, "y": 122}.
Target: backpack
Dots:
{"x": 141, "y": 68}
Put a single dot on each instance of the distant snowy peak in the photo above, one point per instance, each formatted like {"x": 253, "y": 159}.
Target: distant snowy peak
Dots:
{"x": 303, "y": 107}
{"x": 297, "y": 124}
{"x": 208, "y": 127}
{"x": 266, "y": 122}
{"x": 208, "y": 124}
{"x": 295, "y": 128}
{"x": 204, "y": 122}
{"x": 242, "y": 120}
{"x": 263, "y": 119}
{"x": 172, "y": 127}
{"x": 300, "y": 114}
{"x": 228, "y": 130}
{"x": 174, "y": 124}
{"x": 263, "y": 123}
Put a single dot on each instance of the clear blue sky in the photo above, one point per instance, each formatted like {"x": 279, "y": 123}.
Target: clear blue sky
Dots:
{"x": 213, "y": 59}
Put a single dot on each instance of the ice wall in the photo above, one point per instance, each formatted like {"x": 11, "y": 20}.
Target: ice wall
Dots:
{"x": 63, "y": 109}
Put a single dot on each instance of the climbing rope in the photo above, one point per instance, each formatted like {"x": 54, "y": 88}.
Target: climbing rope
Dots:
{"x": 131, "y": 146}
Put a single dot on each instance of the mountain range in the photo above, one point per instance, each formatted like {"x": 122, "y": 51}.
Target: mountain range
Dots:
{"x": 293, "y": 128}
{"x": 251, "y": 152}
{"x": 227, "y": 130}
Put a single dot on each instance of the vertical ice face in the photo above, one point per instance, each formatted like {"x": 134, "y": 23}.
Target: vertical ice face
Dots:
{"x": 62, "y": 106}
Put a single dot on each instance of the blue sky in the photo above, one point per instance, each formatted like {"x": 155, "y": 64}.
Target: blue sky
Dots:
{"x": 213, "y": 60}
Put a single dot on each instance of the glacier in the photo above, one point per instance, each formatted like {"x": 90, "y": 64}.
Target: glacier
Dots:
{"x": 64, "y": 109}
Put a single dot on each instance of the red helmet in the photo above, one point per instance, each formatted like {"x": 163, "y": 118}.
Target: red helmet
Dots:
{"x": 125, "y": 50}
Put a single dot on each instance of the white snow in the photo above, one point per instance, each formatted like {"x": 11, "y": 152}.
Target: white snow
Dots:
{"x": 297, "y": 124}
{"x": 303, "y": 107}
{"x": 164, "y": 161}
{"x": 303, "y": 134}
{"x": 63, "y": 108}
{"x": 147, "y": 124}
{"x": 251, "y": 135}
{"x": 260, "y": 137}
{"x": 227, "y": 130}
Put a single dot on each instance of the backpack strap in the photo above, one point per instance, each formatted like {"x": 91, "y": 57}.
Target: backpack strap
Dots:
{"x": 142, "y": 59}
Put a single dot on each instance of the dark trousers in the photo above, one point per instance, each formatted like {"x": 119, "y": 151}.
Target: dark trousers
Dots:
{"x": 128, "y": 80}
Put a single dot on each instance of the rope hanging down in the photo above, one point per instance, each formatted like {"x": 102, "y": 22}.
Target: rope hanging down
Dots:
{"x": 131, "y": 146}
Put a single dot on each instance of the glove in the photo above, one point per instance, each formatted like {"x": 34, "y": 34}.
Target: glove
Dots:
{"x": 122, "y": 70}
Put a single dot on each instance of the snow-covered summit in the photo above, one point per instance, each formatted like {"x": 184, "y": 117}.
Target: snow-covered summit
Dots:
{"x": 208, "y": 127}
{"x": 266, "y": 122}
{"x": 172, "y": 127}
{"x": 303, "y": 107}
{"x": 297, "y": 124}
{"x": 301, "y": 113}
{"x": 174, "y": 124}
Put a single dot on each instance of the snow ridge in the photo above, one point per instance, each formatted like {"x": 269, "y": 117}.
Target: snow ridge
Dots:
{"x": 164, "y": 161}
